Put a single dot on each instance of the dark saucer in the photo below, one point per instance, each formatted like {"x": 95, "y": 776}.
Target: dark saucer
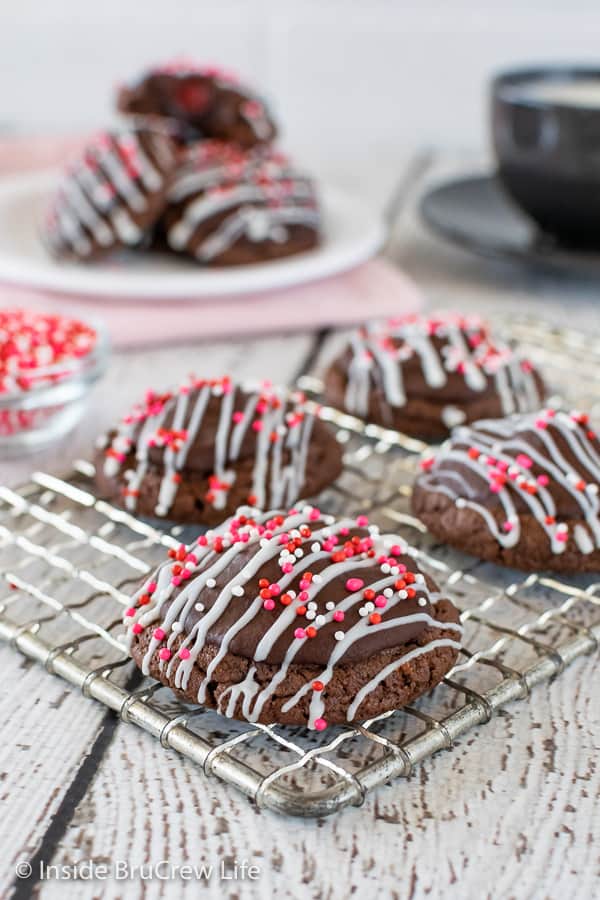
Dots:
{"x": 477, "y": 214}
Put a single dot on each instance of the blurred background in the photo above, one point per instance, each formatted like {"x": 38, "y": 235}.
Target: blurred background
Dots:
{"x": 349, "y": 80}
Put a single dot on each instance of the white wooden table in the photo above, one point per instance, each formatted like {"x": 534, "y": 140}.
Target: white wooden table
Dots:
{"x": 516, "y": 815}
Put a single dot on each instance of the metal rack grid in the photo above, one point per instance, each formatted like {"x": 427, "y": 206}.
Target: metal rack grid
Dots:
{"x": 69, "y": 560}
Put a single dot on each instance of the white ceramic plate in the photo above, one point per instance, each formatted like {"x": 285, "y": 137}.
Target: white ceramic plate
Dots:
{"x": 352, "y": 234}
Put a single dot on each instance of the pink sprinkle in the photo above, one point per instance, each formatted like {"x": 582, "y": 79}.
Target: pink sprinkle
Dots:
{"x": 238, "y": 417}
{"x": 303, "y": 596}
{"x": 159, "y": 634}
{"x": 344, "y": 531}
{"x": 269, "y": 604}
{"x": 275, "y": 589}
{"x": 299, "y": 633}
{"x": 304, "y": 585}
{"x": 562, "y": 536}
{"x": 541, "y": 423}
{"x": 396, "y": 550}
{"x": 165, "y": 653}
{"x": 257, "y": 425}
{"x": 314, "y": 514}
{"x": 203, "y": 540}
{"x": 502, "y": 465}
{"x": 137, "y": 628}
{"x": 495, "y": 488}
{"x": 184, "y": 653}
{"x": 354, "y": 584}
{"x": 338, "y": 615}
{"x": 524, "y": 460}
{"x": 362, "y": 521}
{"x": 508, "y": 526}
{"x": 320, "y": 724}
{"x": 130, "y": 612}
{"x": 176, "y": 580}
{"x": 191, "y": 558}
{"x": 380, "y": 601}
{"x": 401, "y": 567}
{"x": 426, "y": 464}
{"x": 287, "y": 568}
{"x": 151, "y": 587}
{"x": 543, "y": 480}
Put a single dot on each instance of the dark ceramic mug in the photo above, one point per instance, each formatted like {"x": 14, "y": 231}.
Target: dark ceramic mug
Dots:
{"x": 546, "y": 135}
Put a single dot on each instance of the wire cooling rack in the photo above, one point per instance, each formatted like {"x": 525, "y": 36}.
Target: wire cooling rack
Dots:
{"x": 68, "y": 562}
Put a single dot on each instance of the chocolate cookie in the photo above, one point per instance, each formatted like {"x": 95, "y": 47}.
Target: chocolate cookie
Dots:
{"x": 111, "y": 195}
{"x": 294, "y": 618}
{"x": 521, "y": 491}
{"x": 424, "y": 375}
{"x": 230, "y": 207}
{"x": 203, "y": 101}
{"x": 195, "y": 454}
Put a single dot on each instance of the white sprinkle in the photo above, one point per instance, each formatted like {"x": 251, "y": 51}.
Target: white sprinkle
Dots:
{"x": 422, "y": 601}
{"x": 420, "y": 579}
{"x": 299, "y": 553}
{"x": 460, "y": 502}
{"x": 311, "y": 614}
{"x": 311, "y": 605}
{"x": 320, "y": 621}
{"x": 369, "y": 606}
{"x": 403, "y": 595}
{"x": 237, "y": 590}
{"x": 315, "y": 547}
{"x": 176, "y": 627}
{"x": 394, "y": 570}
{"x": 388, "y": 592}
{"x": 160, "y": 510}
{"x": 339, "y": 635}
{"x": 362, "y": 611}
{"x": 386, "y": 568}
{"x": 317, "y": 579}
{"x": 211, "y": 583}
{"x": 330, "y": 605}
{"x": 199, "y": 607}
{"x": 291, "y": 594}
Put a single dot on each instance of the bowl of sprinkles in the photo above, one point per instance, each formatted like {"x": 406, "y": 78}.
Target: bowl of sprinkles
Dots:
{"x": 48, "y": 363}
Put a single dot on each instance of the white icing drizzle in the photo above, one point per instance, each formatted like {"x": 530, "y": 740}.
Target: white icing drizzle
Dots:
{"x": 379, "y": 352}
{"x": 262, "y": 537}
{"x": 104, "y": 193}
{"x": 282, "y": 423}
{"x": 505, "y": 456}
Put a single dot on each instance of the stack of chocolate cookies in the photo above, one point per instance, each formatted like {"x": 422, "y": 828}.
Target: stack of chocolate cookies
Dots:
{"x": 193, "y": 170}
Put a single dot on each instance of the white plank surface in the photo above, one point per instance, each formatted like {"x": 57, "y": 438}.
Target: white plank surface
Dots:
{"x": 513, "y": 814}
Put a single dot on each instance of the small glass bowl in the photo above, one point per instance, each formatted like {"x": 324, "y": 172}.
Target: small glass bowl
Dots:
{"x": 33, "y": 418}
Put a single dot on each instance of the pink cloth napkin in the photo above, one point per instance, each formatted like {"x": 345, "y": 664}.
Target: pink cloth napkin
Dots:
{"x": 373, "y": 289}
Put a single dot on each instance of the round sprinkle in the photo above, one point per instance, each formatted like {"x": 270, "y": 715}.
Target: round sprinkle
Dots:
{"x": 339, "y": 635}
{"x": 320, "y": 724}
{"x": 354, "y": 584}
{"x": 184, "y": 653}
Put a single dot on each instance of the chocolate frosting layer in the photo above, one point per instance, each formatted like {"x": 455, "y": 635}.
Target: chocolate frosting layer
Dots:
{"x": 450, "y": 361}
{"x": 544, "y": 465}
{"x": 214, "y": 427}
{"x": 278, "y": 587}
